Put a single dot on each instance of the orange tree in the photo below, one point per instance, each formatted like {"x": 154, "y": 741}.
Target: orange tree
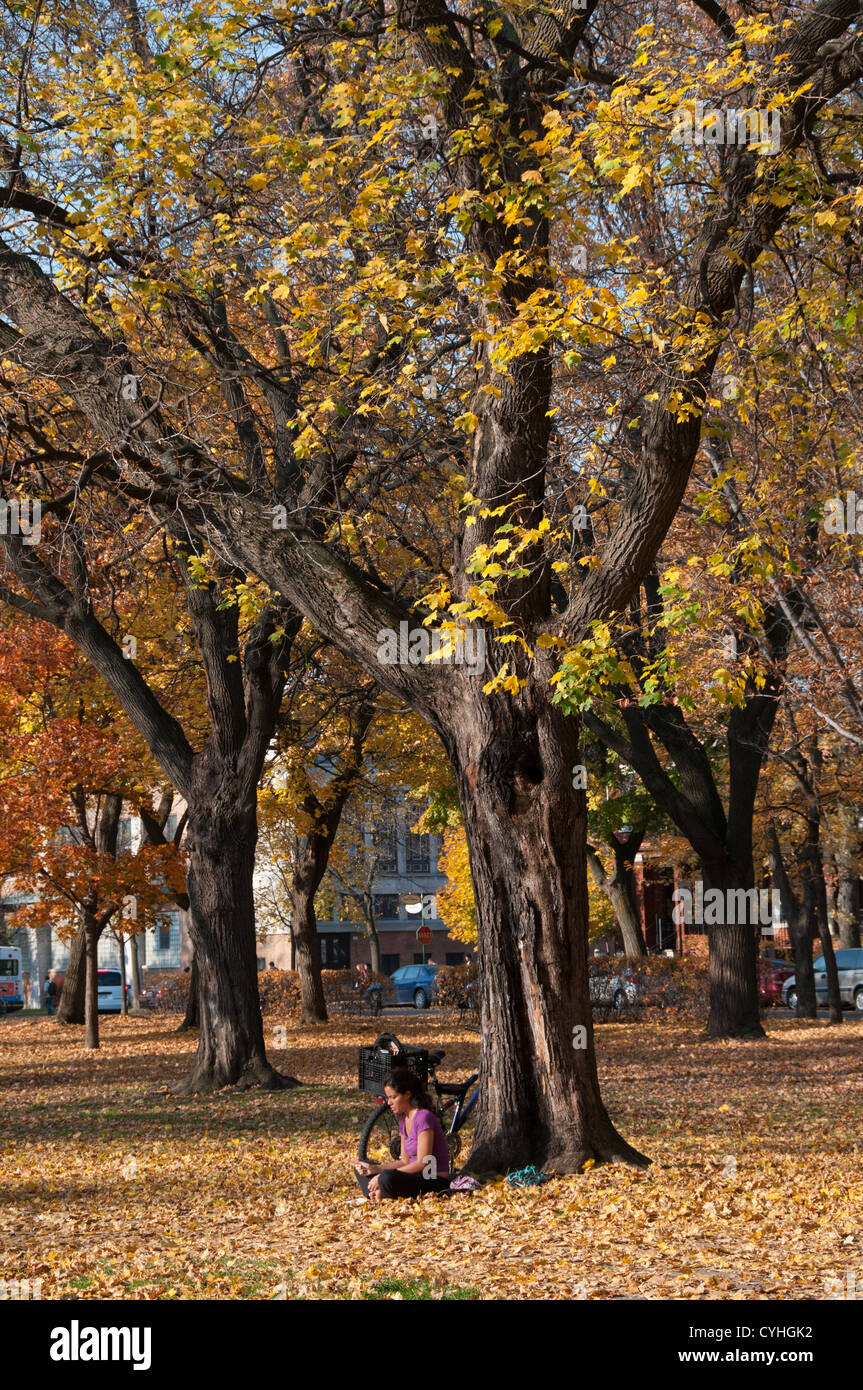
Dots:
{"x": 336, "y": 253}
{"x": 70, "y": 762}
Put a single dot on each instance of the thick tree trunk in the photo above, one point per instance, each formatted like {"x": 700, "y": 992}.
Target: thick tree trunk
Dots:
{"x": 304, "y": 926}
{"x": 221, "y": 839}
{"x": 734, "y": 1011}
{"x": 192, "y": 1016}
{"x": 71, "y": 1008}
{"x": 526, "y": 829}
{"x": 91, "y": 993}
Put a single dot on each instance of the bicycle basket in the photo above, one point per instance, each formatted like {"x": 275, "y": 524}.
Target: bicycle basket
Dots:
{"x": 377, "y": 1062}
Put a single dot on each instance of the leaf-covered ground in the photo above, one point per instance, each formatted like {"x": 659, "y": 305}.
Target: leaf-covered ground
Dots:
{"x": 112, "y": 1188}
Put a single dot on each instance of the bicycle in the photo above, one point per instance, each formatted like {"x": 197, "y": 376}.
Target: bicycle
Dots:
{"x": 381, "y": 1139}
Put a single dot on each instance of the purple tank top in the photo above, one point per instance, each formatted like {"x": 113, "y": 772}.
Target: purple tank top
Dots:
{"x": 425, "y": 1119}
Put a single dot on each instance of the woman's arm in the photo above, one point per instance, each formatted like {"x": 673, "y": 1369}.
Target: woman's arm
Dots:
{"x": 425, "y": 1147}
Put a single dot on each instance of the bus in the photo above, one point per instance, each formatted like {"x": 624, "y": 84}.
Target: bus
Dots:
{"x": 10, "y": 978}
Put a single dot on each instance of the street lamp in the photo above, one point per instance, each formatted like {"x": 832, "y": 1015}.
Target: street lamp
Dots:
{"x": 415, "y": 906}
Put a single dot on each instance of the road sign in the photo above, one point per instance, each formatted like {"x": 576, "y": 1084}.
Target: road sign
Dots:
{"x": 424, "y": 935}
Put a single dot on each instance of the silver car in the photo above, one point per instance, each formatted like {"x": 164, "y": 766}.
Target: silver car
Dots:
{"x": 849, "y": 965}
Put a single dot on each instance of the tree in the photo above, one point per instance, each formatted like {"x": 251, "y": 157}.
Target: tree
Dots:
{"x": 304, "y": 811}
{"x": 69, "y": 765}
{"x": 350, "y": 391}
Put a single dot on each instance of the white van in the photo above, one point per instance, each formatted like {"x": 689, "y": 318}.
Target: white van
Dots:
{"x": 849, "y": 967}
{"x": 110, "y": 992}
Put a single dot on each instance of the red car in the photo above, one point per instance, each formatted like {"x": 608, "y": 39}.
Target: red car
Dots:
{"x": 772, "y": 975}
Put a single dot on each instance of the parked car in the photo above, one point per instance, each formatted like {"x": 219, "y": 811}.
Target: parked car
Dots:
{"x": 849, "y": 965}
{"x": 111, "y": 992}
{"x": 772, "y": 975}
{"x": 618, "y": 989}
{"x": 411, "y": 984}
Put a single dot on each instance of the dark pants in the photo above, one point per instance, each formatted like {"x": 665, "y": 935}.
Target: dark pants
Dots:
{"x": 394, "y": 1183}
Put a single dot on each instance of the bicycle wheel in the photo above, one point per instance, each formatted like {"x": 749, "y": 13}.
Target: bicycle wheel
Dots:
{"x": 381, "y": 1140}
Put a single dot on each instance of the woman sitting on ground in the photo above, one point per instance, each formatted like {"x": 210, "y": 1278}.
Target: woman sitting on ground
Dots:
{"x": 424, "y": 1162}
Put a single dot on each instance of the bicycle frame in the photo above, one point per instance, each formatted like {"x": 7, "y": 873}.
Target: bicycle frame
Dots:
{"x": 456, "y": 1091}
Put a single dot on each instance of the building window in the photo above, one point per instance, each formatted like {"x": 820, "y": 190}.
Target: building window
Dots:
{"x": 386, "y": 906}
{"x": 262, "y": 963}
{"x": 454, "y": 958}
{"x": 390, "y": 963}
{"x": 124, "y": 836}
{"x": 335, "y": 950}
{"x": 163, "y": 937}
{"x": 386, "y": 842}
{"x": 418, "y": 856}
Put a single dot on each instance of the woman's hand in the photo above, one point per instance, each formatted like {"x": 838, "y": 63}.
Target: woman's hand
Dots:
{"x": 367, "y": 1170}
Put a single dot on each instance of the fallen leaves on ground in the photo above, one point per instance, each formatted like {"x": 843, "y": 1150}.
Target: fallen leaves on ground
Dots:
{"x": 114, "y": 1188}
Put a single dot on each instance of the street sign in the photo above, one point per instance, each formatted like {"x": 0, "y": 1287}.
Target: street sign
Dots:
{"x": 424, "y": 935}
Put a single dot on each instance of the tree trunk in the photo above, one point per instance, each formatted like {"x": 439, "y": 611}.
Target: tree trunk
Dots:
{"x": 304, "y": 926}
{"x": 221, "y": 839}
{"x": 818, "y": 892}
{"x": 124, "y": 1009}
{"x": 848, "y": 910}
{"x": 374, "y": 943}
{"x": 798, "y": 930}
{"x": 625, "y": 902}
{"x": 71, "y": 1008}
{"x": 91, "y": 934}
{"x": 136, "y": 971}
{"x": 526, "y": 829}
{"x": 834, "y": 998}
{"x": 619, "y": 888}
{"x": 734, "y": 1011}
{"x": 43, "y": 960}
{"x": 847, "y": 879}
{"x": 192, "y": 1016}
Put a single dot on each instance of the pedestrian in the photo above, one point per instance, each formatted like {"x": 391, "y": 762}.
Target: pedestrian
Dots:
{"x": 50, "y": 991}
{"x": 423, "y": 1165}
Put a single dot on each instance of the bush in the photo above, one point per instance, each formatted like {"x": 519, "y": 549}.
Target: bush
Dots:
{"x": 169, "y": 993}
{"x": 280, "y": 989}
{"x": 676, "y": 985}
{"x": 457, "y": 986}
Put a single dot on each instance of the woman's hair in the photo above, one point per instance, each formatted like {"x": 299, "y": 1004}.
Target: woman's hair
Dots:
{"x": 407, "y": 1082}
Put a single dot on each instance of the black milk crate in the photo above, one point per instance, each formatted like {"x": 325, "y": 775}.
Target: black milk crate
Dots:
{"x": 377, "y": 1062}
